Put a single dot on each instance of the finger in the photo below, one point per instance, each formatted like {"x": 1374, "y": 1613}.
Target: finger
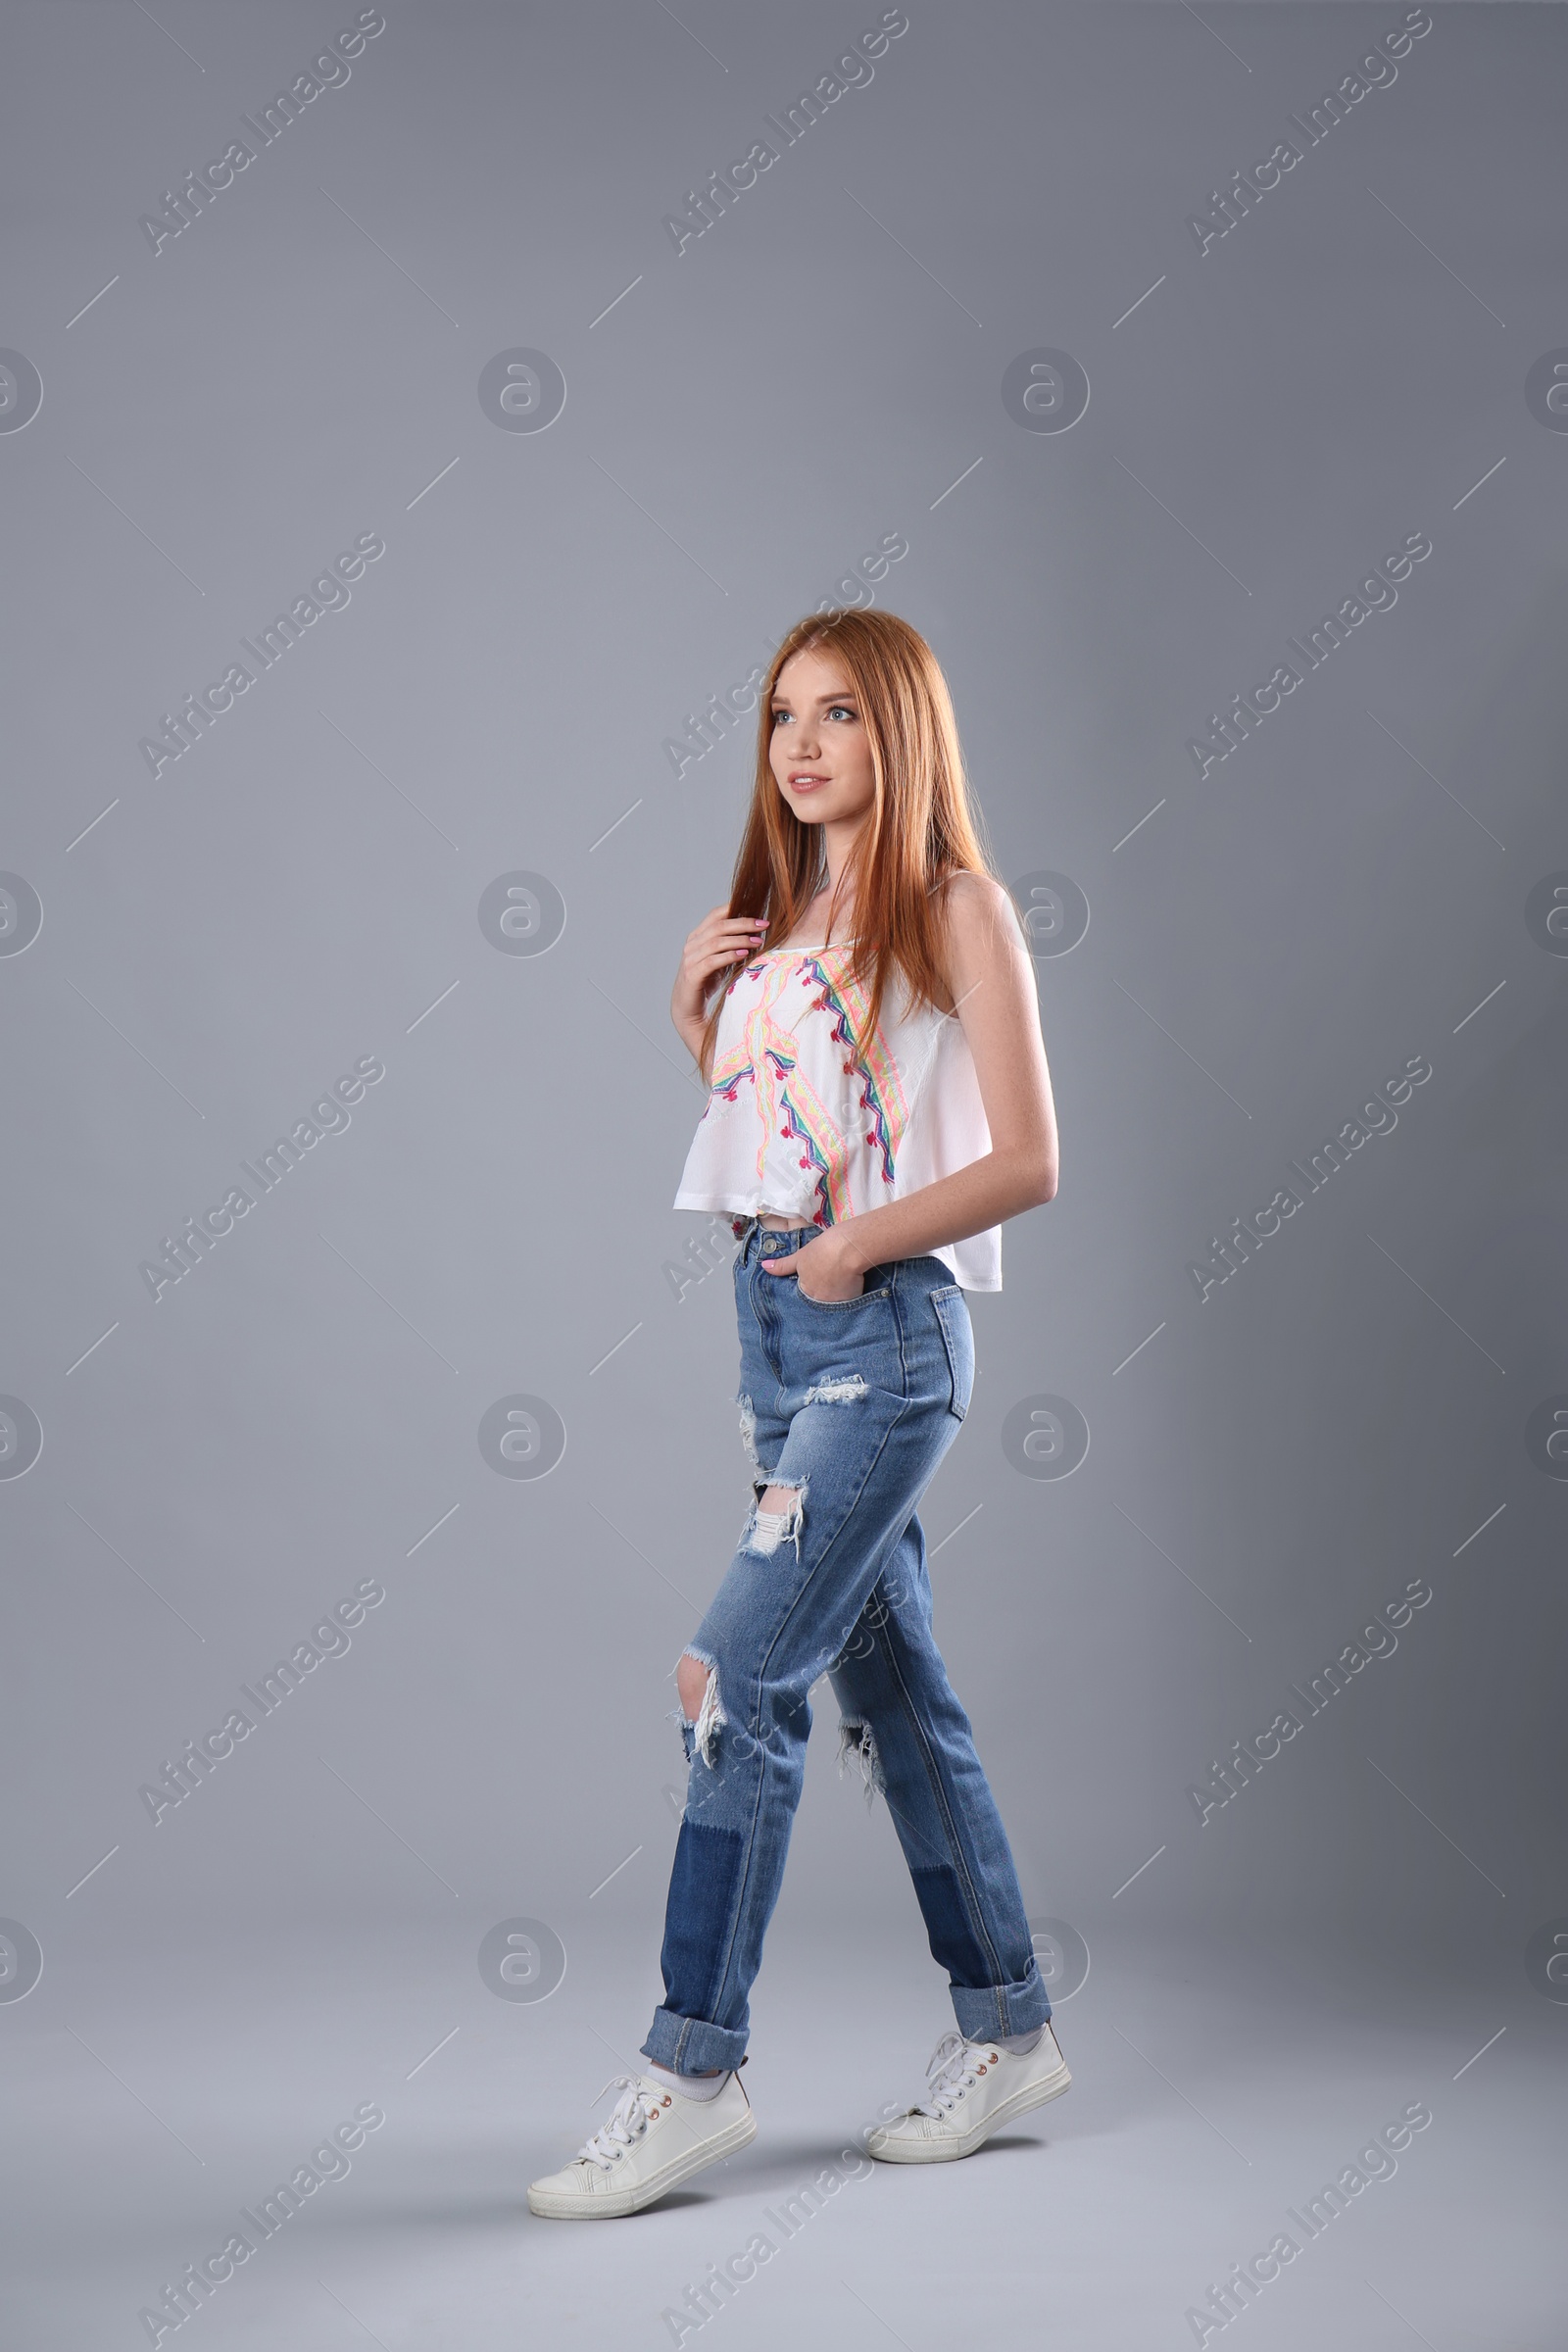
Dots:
{"x": 727, "y": 926}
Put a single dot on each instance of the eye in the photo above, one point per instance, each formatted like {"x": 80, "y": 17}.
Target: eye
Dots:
{"x": 779, "y": 713}
{"x": 841, "y": 710}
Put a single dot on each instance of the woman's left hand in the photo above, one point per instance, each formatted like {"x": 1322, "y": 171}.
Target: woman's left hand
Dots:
{"x": 832, "y": 1276}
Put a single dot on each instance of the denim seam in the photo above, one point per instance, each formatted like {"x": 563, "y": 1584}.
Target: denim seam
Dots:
{"x": 944, "y": 1291}
{"x": 897, "y": 1306}
{"x": 955, "y": 1847}
{"x": 764, "y": 1317}
{"x": 927, "y": 1845}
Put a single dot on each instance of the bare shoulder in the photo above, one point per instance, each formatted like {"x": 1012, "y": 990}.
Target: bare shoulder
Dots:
{"x": 982, "y": 921}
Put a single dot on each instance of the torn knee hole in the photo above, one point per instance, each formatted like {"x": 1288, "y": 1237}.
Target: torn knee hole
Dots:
{"x": 857, "y": 1744}
{"x": 778, "y": 1517}
{"x": 702, "y": 1711}
{"x": 748, "y": 1432}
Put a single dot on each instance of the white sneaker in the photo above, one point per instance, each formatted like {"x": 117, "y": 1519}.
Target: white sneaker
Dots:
{"x": 652, "y": 2141}
{"x": 974, "y": 2087}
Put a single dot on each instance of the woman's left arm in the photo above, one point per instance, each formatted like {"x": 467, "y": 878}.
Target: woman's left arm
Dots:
{"x": 991, "y": 977}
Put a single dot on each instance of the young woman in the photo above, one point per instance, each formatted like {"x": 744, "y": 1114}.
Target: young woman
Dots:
{"x": 878, "y": 1104}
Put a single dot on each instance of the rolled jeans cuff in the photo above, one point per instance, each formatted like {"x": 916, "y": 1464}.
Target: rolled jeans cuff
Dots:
{"x": 984, "y": 2011}
{"x": 689, "y": 2045}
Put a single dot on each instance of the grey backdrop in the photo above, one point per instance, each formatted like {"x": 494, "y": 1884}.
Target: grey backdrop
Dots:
{"x": 805, "y": 401}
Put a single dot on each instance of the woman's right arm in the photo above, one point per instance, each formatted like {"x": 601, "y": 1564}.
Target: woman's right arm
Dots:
{"x": 719, "y": 939}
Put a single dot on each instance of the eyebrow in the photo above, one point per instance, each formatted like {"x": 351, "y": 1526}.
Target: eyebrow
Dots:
{"x": 825, "y": 700}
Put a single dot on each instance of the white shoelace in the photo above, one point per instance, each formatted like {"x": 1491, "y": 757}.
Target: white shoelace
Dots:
{"x": 625, "y": 2125}
{"x": 955, "y": 2065}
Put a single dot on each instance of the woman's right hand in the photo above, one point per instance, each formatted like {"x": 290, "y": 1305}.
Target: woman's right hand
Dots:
{"x": 719, "y": 939}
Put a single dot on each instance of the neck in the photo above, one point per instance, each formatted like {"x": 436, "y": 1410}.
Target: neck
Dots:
{"x": 839, "y": 837}
{"x": 838, "y": 840}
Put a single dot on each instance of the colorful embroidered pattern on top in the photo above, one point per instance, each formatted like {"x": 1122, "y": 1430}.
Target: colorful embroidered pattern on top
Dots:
{"x": 787, "y": 1105}
{"x": 882, "y": 1096}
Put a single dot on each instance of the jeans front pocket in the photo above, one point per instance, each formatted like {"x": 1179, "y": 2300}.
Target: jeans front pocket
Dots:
{"x": 836, "y": 1306}
{"x": 857, "y": 1341}
{"x": 958, "y": 1339}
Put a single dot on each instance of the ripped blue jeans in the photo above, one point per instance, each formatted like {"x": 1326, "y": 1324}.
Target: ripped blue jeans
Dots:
{"x": 849, "y": 1406}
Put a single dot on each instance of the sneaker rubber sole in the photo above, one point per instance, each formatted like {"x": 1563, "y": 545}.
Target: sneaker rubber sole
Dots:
{"x": 565, "y": 2205}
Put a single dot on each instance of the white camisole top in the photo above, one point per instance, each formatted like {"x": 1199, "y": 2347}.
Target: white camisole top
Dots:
{"x": 811, "y": 1121}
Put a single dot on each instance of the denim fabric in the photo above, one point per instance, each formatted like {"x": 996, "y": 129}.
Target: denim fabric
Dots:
{"x": 851, "y": 1404}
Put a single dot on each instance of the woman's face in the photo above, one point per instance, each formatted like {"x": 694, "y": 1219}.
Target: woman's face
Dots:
{"x": 819, "y": 750}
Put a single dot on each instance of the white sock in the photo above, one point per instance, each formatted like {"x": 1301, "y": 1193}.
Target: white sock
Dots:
{"x": 688, "y": 2086}
{"x": 1017, "y": 2044}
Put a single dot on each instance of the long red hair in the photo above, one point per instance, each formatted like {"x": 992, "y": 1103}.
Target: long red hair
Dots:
{"x": 921, "y": 827}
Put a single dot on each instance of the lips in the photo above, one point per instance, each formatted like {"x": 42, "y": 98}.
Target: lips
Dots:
{"x": 807, "y": 783}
